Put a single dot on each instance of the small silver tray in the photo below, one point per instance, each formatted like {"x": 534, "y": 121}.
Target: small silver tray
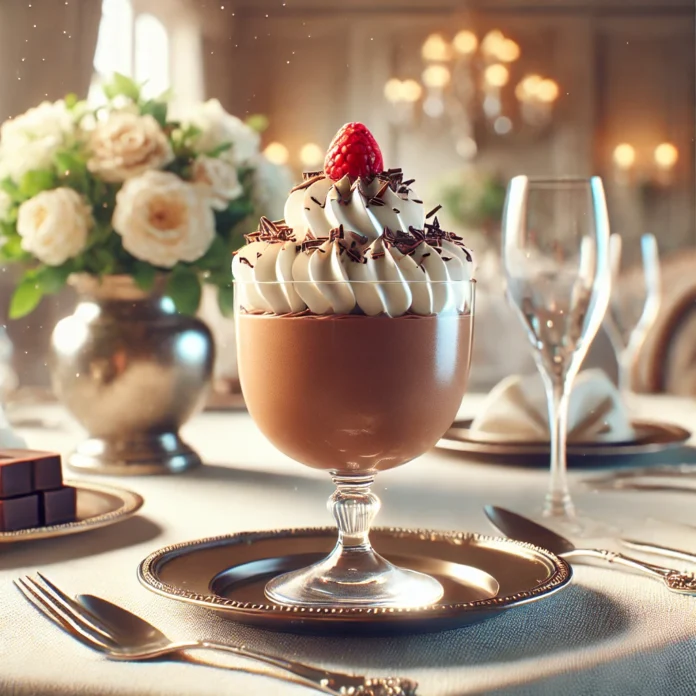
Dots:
{"x": 97, "y": 506}
{"x": 651, "y": 438}
{"x": 482, "y": 576}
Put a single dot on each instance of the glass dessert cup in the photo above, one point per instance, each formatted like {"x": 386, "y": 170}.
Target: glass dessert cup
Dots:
{"x": 354, "y": 395}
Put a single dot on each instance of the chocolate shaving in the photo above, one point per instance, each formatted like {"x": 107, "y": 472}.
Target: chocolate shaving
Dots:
{"x": 272, "y": 232}
{"x": 309, "y": 244}
{"x": 417, "y": 200}
{"x": 308, "y": 180}
{"x": 433, "y": 211}
{"x": 244, "y": 259}
{"x": 318, "y": 202}
{"x": 396, "y": 210}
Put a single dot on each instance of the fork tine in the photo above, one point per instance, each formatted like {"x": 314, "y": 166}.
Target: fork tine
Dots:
{"x": 78, "y": 609}
{"x": 47, "y": 611}
{"x": 72, "y": 618}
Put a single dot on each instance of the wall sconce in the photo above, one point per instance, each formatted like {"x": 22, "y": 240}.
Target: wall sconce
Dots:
{"x": 311, "y": 156}
{"x": 277, "y": 153}
{"x": 660, "y": 169}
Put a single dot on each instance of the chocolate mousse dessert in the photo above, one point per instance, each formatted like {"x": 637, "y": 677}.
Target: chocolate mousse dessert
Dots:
{"x": 355, "y": 317}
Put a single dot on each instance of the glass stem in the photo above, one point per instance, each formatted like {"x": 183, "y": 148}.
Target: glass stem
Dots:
{"x": 625, "y": 361}
{"x": 558, "y": 502}
{"x": 354, "y": 506}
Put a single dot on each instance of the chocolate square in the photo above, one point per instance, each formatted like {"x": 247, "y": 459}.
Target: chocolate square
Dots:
{"x": 47, "y": 473}
{"x": 19, "y": 513}
{"x": 58, "y": 506}
{"x": 15, "y": 474}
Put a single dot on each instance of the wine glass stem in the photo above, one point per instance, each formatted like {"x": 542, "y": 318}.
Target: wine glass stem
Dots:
{"x": 625, "y": 361}
{"x": 354, "y": 506}
{"x": 558, "y": 502}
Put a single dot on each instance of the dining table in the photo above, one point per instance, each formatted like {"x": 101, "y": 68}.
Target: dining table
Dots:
{"x": 609, "y": 632}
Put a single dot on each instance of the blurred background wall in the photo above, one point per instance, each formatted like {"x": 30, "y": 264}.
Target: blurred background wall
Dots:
{"x": 624, "y": 72}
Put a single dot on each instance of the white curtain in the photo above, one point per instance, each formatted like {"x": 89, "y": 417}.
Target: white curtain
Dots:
{"x": 46, "y": 51}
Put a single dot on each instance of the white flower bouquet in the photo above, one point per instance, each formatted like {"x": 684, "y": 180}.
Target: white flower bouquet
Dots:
{"x": 123, "y": 190}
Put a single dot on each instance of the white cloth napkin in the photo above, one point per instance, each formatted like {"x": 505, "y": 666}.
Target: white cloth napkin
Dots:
{"x": 516, "y": 409}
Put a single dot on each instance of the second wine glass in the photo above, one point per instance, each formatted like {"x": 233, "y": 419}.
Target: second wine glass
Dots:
{"x": 555, "y": 259}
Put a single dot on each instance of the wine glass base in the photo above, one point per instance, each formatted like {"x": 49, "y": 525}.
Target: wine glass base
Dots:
{"x": 338, "y": 581}
{"x": 577, "y": 526}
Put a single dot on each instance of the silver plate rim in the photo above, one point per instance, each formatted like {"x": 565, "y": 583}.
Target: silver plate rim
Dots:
{"x": 513, "y": 449}
{"x": 147, "y": 575}
{"x": 131, "y": 502}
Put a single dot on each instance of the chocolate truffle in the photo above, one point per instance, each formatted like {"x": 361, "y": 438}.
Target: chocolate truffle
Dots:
{"x": 58, "y": 506}
{"x": 19, "y": 513}
{"x": 15, "y": 473}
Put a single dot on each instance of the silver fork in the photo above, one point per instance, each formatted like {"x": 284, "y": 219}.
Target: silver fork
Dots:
{"x": 121, "y": 635}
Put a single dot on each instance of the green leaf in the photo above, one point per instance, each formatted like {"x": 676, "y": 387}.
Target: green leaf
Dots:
{"x": 259, "y": 122}
{"x": 184, "y": 289}
{"x": 12, "y": 249}
{"x": 217, "y": 151}
{"x": 122, "y": 85}
{"x": 51, "y": 279}
{"x": 26, "y": 297}
{"x": 71, "y": 100}
{"x": 9, "y": 187}
{"x": 35, "y": 181}
{"x": 69, "y": 163}
{"x": 225, "y": 300}
{"x": 156, "y": 109}
{"x": 144, "y": 275}
{"x": 218, "y": 257}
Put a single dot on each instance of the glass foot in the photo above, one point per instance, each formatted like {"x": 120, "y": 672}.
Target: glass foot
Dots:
{"x": 576, "y": 526}
{"x": 361, "y": 579}
{"x": 354, "y": 574}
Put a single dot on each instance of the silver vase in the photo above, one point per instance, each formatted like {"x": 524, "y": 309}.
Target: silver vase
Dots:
{"x": 131, "y": 370}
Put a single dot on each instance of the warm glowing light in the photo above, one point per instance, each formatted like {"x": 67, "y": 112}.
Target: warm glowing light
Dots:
{"x": 311, "y": 155}
{"x": 392, "y": 90}
{"x": 411, "y": 91}
{"x": 465, "y": 42}
{"x": 547, "y": 91}
{"x": 436, "y": 76}
{"x": 508, "y": 51}
{"x": 435, "y": 48}
{"x": 624, "y": 156}
{"x": 492, "y": 42}
{"x": 276, "y": 153}
{"x": 666, "y": 155}
{"x": 496, "y": 75}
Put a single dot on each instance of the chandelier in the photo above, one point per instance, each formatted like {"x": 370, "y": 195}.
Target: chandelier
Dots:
{"x": 467, "y": 82}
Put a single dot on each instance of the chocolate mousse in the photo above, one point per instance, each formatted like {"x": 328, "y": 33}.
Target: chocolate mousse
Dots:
{"x": 354, "y": 393}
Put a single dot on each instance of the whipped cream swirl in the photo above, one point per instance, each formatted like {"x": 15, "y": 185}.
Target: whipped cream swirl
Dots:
{"x": 370, "y": 236}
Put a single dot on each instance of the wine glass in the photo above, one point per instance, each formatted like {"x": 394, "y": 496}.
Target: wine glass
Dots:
{"x": 354, "y": 395}
{"x": 556, "y": 266}
{"x": 633, "y": 308}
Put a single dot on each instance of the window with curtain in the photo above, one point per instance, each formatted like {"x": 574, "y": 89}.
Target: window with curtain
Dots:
{"x": 134, "y": 44}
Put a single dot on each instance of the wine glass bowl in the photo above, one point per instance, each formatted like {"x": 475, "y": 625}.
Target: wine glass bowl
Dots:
{"x": 353, "y": 395}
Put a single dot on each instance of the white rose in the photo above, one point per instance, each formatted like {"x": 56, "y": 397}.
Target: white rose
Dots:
{"x": 270, "y": 186}
{"x": 126, "y": 145}
{"x": 218, "y": 127}
{"x": 163, "y": 219}
{"x": 54, "y": 225}
{"x": 218, "y": 179}
{"x": 30, "y": 141}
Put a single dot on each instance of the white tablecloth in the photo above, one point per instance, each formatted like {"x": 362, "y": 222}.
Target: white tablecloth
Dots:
{"x": 609, "y": 633}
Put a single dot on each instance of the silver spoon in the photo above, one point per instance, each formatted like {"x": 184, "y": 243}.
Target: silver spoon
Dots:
{"x": 522, "y": 529}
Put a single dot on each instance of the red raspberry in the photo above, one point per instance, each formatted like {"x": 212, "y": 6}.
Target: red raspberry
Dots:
{"x": 353, "y": 151}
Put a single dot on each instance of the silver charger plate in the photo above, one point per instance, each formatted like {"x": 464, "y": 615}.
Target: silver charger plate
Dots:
{"x": 651, "y": 438}
{"x": 482, "y": 577}
{"x": 97, "y": 506}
